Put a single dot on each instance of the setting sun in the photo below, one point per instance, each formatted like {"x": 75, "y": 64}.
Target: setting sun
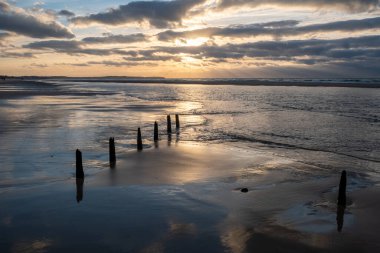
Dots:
{"x": 191, "y": 42}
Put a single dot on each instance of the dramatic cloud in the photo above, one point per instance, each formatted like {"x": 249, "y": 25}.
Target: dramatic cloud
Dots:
{"x": 163, "y": 14}
{"x": 242, "y": 35}
{"x": 7, "y": 54}
{"x": 152, "y": 57}
{"x": 72, "y": 47}
{"x": 131, "y": 38}
{"x": 66, "y": 13}
{"x": 351, "y": 5}
{"x": 104, "y": 63}
{"x": 160, "y": 14}
{"x": 299, "y": 51}
{"x": 231, "y": 31}
{"x": 16, "y": 20}
{"x": 277, "y": 29}
{"x": 72, "y": 64}
{"x": 115, "y": 63}
{"x": 36, "y": 65}
{"x": 4, "y": 36}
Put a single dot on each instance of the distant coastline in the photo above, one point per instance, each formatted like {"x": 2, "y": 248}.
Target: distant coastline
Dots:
{"x": 303, "y": 82}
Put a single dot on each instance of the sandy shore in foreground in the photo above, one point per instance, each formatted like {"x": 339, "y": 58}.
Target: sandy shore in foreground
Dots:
{"x": 183, "y": 197}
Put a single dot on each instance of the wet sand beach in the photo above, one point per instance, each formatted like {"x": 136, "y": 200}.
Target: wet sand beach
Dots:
{"x": 185, "y": 192}
{"x": 186, "y": 198}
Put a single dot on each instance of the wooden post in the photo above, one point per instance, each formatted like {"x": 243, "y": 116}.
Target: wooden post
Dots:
{"x": 155, "y": 131}
{"x": 342, "y": 189}
{"x": 177, "y": 121}
{"x": 79, "y": 166}
{"x": 340, "y": 217}
{"x": 169, "y": 124}
{"x": 79, "y": 189}
{"x": 112, "y": 152}
{"x": 139, "y": 140}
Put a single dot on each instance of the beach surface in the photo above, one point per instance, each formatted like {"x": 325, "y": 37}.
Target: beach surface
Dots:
{"x": 229, "y": 180}
{"x": 186, "y": 198}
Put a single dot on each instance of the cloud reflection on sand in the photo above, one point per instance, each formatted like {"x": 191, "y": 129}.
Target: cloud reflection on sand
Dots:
{"x": 36, "y": 246}
{"x": 235, "y": 238}
{"x": 181, "y": 164}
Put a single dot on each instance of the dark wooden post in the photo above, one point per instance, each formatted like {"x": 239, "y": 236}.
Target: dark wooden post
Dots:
{"x": 79, "y": 166}
{"x": 169, "y": 124}
{"x": 139, "y": 140}
{"x": 342, "y": 189}
{"x": 112, "y": 151}
{"x": 79, "y": 189}
{"x": 340, "y": 217}
{"x": 177, "y": 121}
{"x": 155, "y": 131}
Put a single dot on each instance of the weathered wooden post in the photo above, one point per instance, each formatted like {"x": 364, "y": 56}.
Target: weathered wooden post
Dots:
{"x": 340, "y": 217}
{"x": 342, "y": 189}
{"x": 177, "y": 122}
{"x": 155, "y": 131}
{"x": 79, "y": 166}
{"x": 139, "y": 140}
{"x": 79, "y": 182}
{"x": 341, "y": 201}
{"x": 169, "y": 124}
{"x": 112, "y": 152}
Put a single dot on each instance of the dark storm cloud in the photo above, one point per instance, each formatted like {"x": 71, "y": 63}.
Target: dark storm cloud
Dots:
{"x": 160, "y": 14}
{"x": 270, "y": 28}
{"x": 55, "y": 44}
{"x": 347, "y": 26}
{"x": 4, "y": 36}
{"x": 311, "y": 51}
{"x": 72, "y": 47}
{"x": 131, "y": 38}
{"x": 7, "y": 54}
{"x": 22, "y": 23}
{"x": 363, "y": 48}
{"x": 277, "y": 29}
{"x": 108, "y": 63}
{"x": 351, "y": 5}
{"x": 66, "y": 13}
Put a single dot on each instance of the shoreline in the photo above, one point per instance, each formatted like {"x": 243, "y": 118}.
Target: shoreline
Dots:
{"x": 237, "y": 82}
{"x": 351, "y": 82}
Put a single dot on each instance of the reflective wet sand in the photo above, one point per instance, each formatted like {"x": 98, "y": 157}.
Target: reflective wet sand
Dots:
{"x": 182, "y": 194}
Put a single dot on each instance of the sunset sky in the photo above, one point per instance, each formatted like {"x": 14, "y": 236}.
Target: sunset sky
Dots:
{"x": 191, "y": 38}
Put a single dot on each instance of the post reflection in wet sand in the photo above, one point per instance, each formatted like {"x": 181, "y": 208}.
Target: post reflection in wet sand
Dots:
{"x": 340, "y": 217}
{"x": 79, "y": 183}
{"x": 185, "y": 163}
